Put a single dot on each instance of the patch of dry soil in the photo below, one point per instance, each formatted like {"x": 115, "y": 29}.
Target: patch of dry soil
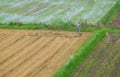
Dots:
{"x": 34, "y": 53}
{"x": 116, "y": 22}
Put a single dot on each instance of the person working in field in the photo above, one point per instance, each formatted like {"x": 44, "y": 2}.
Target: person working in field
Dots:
{"x": 78, "y": 27}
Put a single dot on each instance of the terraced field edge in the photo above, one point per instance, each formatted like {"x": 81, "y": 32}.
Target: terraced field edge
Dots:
{"x": 80, "y": 55}
{"x": 41, "y": 26}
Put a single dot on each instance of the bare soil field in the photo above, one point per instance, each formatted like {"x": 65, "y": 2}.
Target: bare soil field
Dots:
{"x": 34, "y": 53}
{"x": 116, "y": 22}
{"x": 104, "y": 61}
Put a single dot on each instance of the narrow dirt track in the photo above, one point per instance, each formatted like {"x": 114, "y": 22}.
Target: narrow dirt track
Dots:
{"x": 30, "y": 53}
{"x": 116, "y": 22}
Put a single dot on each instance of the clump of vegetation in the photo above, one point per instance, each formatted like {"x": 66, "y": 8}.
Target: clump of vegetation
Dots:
{"x": 58, "y": 25}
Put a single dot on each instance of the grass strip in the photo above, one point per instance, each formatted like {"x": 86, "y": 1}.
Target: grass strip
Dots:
{"x": 113, "y": 30}
{"x": 80, "y": 55}
{"x": 60, "y": 27}
{"x": 39, "y": 26}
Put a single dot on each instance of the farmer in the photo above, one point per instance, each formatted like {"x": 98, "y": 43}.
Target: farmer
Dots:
{"x": 78, "y": 27}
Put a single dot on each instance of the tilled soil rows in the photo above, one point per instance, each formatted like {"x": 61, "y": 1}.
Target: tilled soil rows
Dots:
{"x": 104, "y": 61}
{"x": 34, "y": 53}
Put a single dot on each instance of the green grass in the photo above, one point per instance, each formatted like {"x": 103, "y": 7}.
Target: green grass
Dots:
{"x": 60, "y": 27}
{"x": 41, "y": 26}
{"x": 113, "y": 30}
{"x": 68, "y": 26}
{"x": 21, "y": 26}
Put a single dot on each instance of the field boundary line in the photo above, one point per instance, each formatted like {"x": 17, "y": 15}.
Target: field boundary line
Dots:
{"x": 80, "y": 55}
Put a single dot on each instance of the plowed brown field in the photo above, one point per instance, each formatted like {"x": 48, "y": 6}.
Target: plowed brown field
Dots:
{"x": 36, "y": 53}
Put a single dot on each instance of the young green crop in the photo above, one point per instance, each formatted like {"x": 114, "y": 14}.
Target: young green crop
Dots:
{"x": 47, "y": 12}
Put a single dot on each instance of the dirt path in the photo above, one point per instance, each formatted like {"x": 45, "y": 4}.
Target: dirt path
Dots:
{"x": 34, "y": 53}
{"x": 116, "y": 22}
{"x": 104, "y": 61}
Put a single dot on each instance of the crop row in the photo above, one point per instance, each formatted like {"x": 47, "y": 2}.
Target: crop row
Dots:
{"x": 52, "y": 11}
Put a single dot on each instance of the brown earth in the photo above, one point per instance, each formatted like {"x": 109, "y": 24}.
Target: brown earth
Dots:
{"x": 36, "y": 53}
{"x": 104, "y": 61}
{"x": 116, "y": 22}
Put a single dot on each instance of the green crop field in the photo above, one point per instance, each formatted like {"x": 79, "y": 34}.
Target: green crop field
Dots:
{"x": 54, "y": 11}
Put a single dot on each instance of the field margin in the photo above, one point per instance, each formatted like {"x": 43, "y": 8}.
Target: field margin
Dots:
{"x": 111, "y": 14}
{"x": 80, "y": 55}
